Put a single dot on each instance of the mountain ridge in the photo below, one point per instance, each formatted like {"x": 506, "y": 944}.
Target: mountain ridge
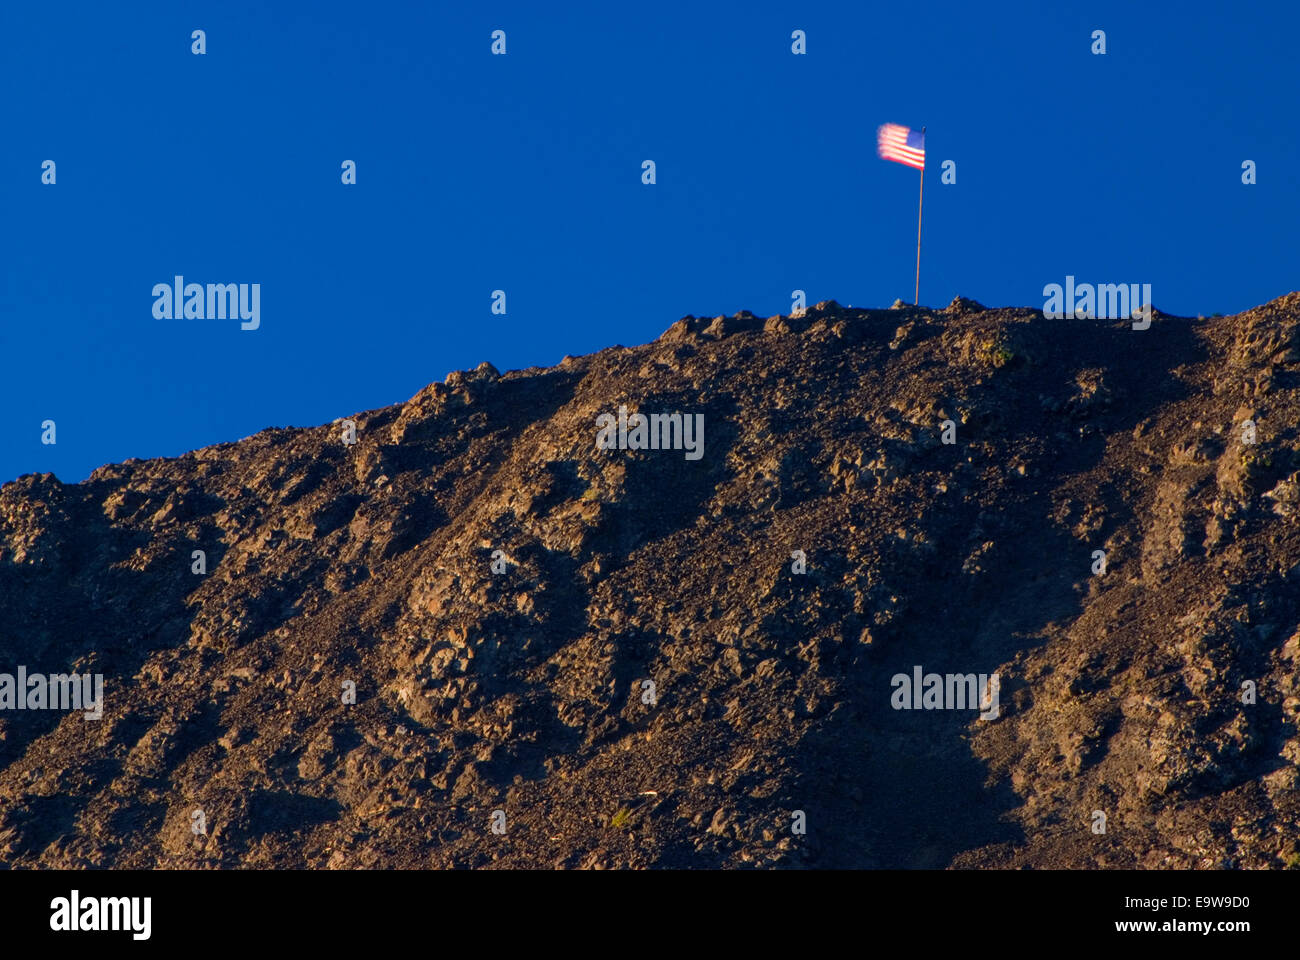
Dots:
{"x": 523, "y": 691}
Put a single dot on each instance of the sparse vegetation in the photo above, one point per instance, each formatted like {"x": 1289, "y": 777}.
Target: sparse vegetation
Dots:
{"x": 997, "y": 352}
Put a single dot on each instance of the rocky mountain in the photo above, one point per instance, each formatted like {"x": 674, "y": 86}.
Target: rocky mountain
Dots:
{"x": 567, "y": 656}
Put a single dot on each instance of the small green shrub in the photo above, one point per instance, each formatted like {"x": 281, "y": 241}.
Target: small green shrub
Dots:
{"x": 996, "y": 352}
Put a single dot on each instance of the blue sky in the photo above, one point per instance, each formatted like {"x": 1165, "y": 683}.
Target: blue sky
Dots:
{"x": 523, "y": 173}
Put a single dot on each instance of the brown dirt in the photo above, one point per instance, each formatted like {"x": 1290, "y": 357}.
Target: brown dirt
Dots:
{"x": 522, "y": 691}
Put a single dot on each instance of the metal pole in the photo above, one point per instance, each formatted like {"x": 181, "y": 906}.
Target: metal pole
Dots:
{"x": 916, "y": 299}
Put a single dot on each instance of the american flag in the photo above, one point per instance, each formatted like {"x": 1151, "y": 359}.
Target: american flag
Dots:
{"x": 901, "y": 144}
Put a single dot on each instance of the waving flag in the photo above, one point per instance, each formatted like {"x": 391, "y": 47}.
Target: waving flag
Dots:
{"x": 904, "y": 145}
{"x": 901, "y": 144}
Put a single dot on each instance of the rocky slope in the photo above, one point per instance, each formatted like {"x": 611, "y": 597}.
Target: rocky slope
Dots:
{"x": 524, "y": 691}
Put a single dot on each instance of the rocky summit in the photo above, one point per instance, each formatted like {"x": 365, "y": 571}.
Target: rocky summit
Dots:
{"x": 461, "y": 632}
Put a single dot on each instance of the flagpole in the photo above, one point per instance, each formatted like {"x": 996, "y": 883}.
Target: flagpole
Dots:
{"x": 916, "y": 299}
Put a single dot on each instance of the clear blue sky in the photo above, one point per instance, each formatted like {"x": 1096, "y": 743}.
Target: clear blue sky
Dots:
{"x": 523, "y": 173}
